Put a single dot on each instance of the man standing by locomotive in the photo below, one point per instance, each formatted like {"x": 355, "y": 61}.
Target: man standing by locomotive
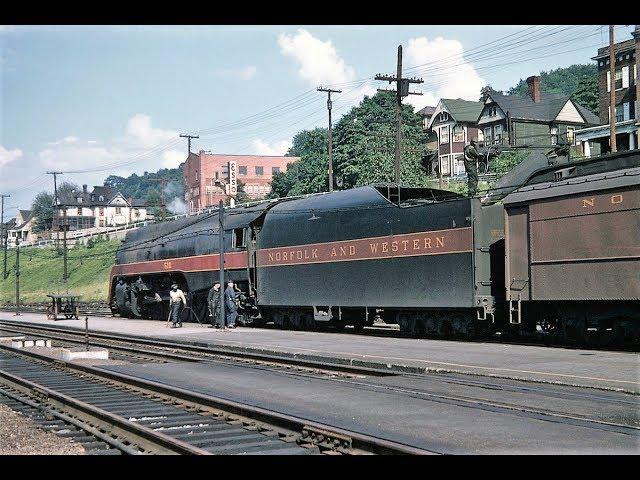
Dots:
{"x": 177, "y": 298}
{"x": 471, "y": 167}
{"x": 230, "y": 305}
{"x": 213, "y": 299}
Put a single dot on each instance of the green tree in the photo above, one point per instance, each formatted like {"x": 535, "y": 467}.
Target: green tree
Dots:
{"x": 586, "y": 93}
{"x": 561, "y": 80}
{"x": 310, "y": 173}
{"x": 364, "y": 150}
{"x": 42, "y": 208}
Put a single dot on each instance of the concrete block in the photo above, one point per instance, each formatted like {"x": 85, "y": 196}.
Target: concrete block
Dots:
{"x": 28, "y": 343}
{"x": 78, "y": 354}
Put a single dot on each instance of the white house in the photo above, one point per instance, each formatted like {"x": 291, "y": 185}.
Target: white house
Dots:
{"x": 103, "y": 207}
{"x": 21, "y": 227}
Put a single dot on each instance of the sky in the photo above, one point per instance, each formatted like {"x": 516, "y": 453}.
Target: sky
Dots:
{"x": 112, "y": 100}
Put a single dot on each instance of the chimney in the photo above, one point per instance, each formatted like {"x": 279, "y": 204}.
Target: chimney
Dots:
{"x": 534, "y": 88}
{"x": 84, "y": 189}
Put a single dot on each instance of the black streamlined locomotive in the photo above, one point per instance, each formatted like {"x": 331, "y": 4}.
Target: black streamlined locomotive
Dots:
{"x": 430, "y": 260}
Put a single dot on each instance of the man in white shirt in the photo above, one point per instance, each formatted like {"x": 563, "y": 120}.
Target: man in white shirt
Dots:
{"x": 177, "y": 298}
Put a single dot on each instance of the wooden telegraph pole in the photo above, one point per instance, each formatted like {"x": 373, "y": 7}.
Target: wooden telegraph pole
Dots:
{"x": 3, "y": 236}
{"x": 18, "y": 276}
{"x": 401, "y": 91}
{"x": 612, "y": 91}
{"x": 330, "y": 141}
{"x": 223, "y": 319}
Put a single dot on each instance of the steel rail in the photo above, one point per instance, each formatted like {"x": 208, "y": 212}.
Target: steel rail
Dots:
{"x": 140, "y": 434}
{"x": 316, "y": 433}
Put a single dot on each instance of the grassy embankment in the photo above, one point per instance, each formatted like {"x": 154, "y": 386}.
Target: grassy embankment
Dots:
{"x": 41, "y": 272}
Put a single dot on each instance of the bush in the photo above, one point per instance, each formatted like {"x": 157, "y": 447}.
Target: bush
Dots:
{"x": 504, "y": 162}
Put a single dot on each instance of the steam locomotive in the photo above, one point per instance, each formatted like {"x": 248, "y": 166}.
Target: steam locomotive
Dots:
{"x": 553, "y": 248}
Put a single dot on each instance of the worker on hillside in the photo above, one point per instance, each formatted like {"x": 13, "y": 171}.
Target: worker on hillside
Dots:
{"x": 471, "y": 167}
{"x": 230, "y": 305}
{"x": 213, "y": 300}
{"x": 177, "y": 299}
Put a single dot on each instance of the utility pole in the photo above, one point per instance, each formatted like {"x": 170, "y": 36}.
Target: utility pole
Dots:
{"x": 55, "y": 203}
{"x": 401, "y": 91}
{"x": 329, "y": 91}
{"x": 223, "y": 316}
{"x": 3, "y": 236}
{"x": 163, "y": 182}
{"x": 18, "y": 276}
{"x": 189, "y": 137}
{"x": 612, "y": 91}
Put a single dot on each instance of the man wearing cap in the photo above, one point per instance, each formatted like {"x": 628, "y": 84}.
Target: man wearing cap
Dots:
{"x": 176, "y": 300}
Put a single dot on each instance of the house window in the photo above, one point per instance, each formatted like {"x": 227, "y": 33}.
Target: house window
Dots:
{"x": 259, "y": 170}
{"x": 444, "y": 116}
{"x": 444, "y": 134}
{"x": 487, "y": 135}
{"x": 493, "y": 111}
{"x": 217, "y": 175}
{"x": 497, "y": 133}
{"x": 458, "y": 134}
{"x": 444, "y": 165}
{"x": 136, "y": 213}
{"x": 554, "y": 135}
{"x": 242, "y": 170}
{"x": 79, "y": 199}
{"x": 118, "y": 210}
{"x": 618, "y": 83}
{"x": 101, "y": 198}
{"x": 571, "y": 135}
{"x": 275, "y": 170}
{"x": 101, "y": 211}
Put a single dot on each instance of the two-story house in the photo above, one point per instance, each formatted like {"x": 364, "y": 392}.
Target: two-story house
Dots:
{"x": 538, "y": 119}
{"x": 455, "y": 123}
{"x": 626, "y": 90}
{"x": 103, "y": 207}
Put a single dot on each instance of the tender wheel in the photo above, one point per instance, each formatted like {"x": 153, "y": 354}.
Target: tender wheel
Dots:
{"x": 50, "y": 313}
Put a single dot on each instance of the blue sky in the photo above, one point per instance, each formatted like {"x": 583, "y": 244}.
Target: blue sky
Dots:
{"x": 91, "y": 97}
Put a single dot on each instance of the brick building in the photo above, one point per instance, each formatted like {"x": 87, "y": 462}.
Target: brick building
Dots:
{"x": 625, "y": 85}
{"x": 206, "y": 176}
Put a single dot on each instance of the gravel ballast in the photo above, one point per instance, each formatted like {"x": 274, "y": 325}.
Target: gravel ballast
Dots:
{"x": 19, "y": 435}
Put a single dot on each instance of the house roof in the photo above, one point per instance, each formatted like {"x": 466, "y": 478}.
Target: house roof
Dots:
{"x": 620, "y": 47}
{"x": 10, "y": 225}
{"x": 546, "y": 110}
{"x": 426, "y": 111}
{"x": 93, "y": 199}
{"x": 463, "y": 110}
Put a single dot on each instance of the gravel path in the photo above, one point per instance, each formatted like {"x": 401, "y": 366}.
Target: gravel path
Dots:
{"x": 20, "y": 436}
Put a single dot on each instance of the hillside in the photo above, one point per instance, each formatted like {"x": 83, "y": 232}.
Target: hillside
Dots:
{"x": 41, "y": 273}
{"x": 147, "y": 187}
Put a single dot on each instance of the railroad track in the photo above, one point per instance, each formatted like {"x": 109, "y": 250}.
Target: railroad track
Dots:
{"x": 148, "y": 417}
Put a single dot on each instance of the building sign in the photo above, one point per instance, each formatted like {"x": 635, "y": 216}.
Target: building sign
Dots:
{"x": 232, "y": 188}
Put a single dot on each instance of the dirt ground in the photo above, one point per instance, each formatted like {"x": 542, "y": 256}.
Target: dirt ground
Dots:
{"x": 19, "y": 435}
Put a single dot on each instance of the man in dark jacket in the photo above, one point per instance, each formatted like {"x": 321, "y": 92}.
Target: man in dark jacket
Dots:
{"x": 471, "y": 167}
{"x": 230, "y": 304}
{"x": 213, "y": 299}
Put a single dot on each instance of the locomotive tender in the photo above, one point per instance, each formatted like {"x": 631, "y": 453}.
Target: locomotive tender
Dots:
{"x": 430, "y": 260}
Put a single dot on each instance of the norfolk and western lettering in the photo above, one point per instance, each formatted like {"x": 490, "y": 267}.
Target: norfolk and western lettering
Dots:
{"x": 457, "y": 240}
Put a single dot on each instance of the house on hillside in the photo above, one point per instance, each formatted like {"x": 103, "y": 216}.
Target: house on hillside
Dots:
{"x": 627, "y": 91}
{"x": 455, "y": 122}
{"x": 103, "y": 207}
{"x": 21, "y": 227}
{"x": 207, "y": 177}
{"x": 539, "y": 119}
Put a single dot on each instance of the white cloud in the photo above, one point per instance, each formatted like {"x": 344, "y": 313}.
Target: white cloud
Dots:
{"x": 451, "y": 77}
{"x": 243, "y": 73}
{"x": 260, "y": 147}
{"x": 69, "y": 139}
{"x": 8, "y": 156}
{"x": 318, "y": 61}
{"x": 141, "y": 133}
{"x": 173, "y": 158}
